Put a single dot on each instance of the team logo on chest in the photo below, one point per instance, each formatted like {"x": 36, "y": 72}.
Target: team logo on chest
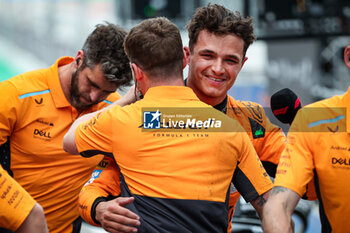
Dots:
{"x": 340, "y": 156}
{"x": 258, "y": 130}
{"x": 39, "y": 101}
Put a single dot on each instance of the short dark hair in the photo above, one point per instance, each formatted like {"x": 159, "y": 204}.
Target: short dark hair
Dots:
{"x": 155, "y": 45}
{"x": 220, "y": 21}
{"x": 104, "y": 46}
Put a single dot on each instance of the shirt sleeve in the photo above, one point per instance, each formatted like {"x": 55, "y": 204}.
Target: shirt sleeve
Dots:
{"x": 295, "y": 170}
{"x": 15, "y": 202}
{"x": 250, "y": 177}
{"x": 105, "y": 183}
{"x": 94, "y": 136}
{"x": 9, "y": 106}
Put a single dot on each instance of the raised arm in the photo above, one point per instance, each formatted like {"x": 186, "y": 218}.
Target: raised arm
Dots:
{"x": 68, "y": 140}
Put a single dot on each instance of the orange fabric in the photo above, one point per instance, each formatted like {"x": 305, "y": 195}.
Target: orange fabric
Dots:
{"x": 35, "y": 114}
{"x": 96, "y": 187}
{"x": 15, "y": 202}
{"x": 318, "y": 143}
{"x": 268, "y": 145}
{"x": 122, "y": 127}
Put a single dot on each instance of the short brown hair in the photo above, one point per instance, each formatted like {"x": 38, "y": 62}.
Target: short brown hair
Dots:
{"x": 104, "y": 46}
{"x": 155, "y": 45}
{"x": 220, "y": 21}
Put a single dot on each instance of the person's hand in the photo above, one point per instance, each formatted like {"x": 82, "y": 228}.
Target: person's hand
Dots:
{"x": 131, "y": 96}
{"x": 115, "y": 218}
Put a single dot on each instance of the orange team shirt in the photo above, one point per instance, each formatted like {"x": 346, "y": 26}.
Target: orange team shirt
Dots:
{"x": 34, "y": 116}
{"x": 15, "y": 202}
{"x": 318, "y": 148}
{"x": 268, "y": 141}
{"x": 184, "y": 175}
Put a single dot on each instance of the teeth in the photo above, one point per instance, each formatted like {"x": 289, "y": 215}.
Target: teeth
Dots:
{"x": 215, "y": 79}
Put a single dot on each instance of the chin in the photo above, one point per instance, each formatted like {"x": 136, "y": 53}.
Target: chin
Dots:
{"x": 214, "y": 94}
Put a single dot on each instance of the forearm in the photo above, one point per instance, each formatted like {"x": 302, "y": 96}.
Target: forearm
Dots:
{"x": 276, "y": 219}
{"x": 278, "y": 210}
{"x": 259, "y": 203}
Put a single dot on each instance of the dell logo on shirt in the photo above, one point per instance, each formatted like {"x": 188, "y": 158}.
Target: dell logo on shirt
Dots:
{"x": 42, "y": 133}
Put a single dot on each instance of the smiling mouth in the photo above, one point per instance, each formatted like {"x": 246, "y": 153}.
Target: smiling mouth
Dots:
{"x": 215, "y": 79}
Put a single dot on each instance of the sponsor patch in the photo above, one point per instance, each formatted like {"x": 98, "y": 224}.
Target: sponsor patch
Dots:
{"x": 258, "y": 130}
{"x": 103, "y": 164}
{"x": 95, "y": 175}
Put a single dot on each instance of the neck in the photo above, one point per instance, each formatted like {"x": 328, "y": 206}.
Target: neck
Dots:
{"x": 65, "y": 76}
{"x": 213, "y": 101}
{"x": 166, "y": 81}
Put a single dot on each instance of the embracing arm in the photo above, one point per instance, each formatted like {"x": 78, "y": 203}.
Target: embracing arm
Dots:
{"x": 99, "y": 203}
{"x": 114, "y": 217}
{"x": 259, "y": 203}
{"x": 69, "y": 139}
{"x": 278, "y": 210}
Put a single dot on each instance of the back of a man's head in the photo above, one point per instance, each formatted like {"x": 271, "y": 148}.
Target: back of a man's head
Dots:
{"x": 105, "y": 46}
{"x": 155, "y": 46}
{"x": 219, "y": 20}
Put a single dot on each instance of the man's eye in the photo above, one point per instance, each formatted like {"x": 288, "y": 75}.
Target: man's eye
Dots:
{"x": 231, "y": 61}
{"x": 207, "y": 55}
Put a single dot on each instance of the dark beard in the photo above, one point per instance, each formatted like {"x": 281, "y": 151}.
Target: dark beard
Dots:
{"x": 75, "y": 94}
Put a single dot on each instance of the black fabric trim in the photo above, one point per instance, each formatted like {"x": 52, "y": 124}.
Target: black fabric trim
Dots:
{"x": 270, "y": 168}
{"x": 3, "y": 230}
{"x": 222, "y": 107}
{"x": 326, "y": 226}
{"x": 90, "y": 153}
{"x": 158, "y": 215}
{"x": 305, "y": 196}
{"x": 244, "y": 186}
{"x": 77, "y": 225}
{"x": 93, "y": 208}
{"x": 96, "y": 202}
{"x": 5, "y": 156}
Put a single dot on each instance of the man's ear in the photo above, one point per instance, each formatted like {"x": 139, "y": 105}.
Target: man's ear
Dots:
{"x": 244, "y": 60}
{"x": 138, "y": 73}
{"x": 187, "y": 54}
{"x": 79, "y": 58}
{"x": 347, "y": 56}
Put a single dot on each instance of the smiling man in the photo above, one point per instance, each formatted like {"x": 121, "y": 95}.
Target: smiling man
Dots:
{"x": 218, "y": 42}
{"x": 38, "y": 107}
{"x": 214, "y": 63}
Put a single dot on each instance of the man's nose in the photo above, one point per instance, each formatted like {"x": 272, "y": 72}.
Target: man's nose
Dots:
{"x": 218, "y": 67}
